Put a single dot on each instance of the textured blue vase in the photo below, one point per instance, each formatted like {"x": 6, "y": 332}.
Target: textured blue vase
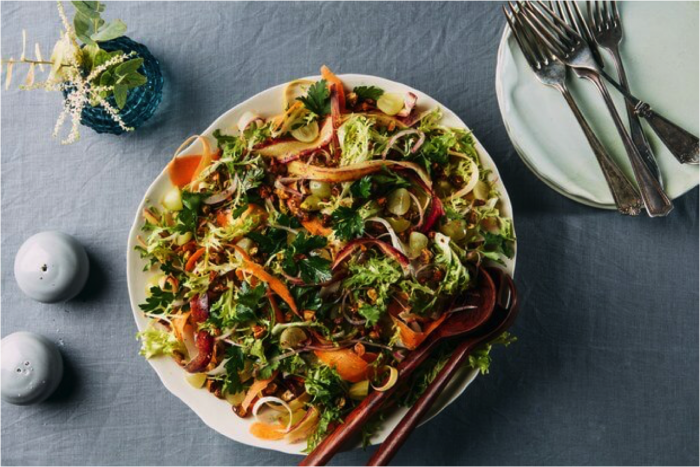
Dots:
{"x": 141, "y": 102}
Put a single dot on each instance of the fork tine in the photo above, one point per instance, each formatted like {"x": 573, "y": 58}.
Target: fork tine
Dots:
{"x": 606, "y": 14}
{"x": 566, "y": 31}
{"x": 542, "y": 32}
{"x": 585, "y": 32}
{"x": 599, "y": 14}
{"x": 521, "y": 42}
{"x": 542, "y": 52}
{"x": 573, "y": 20}
{"x": 550, "y": 49}
{"x": 591, "y": 16}
{"x": 615, "y": 13}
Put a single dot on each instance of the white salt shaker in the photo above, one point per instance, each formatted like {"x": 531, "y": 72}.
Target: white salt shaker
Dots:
{"x": 51, "y": 267}
{"x": 31, "y": 368}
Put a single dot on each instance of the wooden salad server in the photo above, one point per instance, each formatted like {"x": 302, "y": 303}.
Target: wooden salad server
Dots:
{"x": 458, "y": 324}
{"x": 502, "y": 318}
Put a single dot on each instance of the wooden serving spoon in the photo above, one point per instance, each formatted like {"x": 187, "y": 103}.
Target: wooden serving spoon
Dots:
{"x": 502, "y": 318}
{"x": 458, "y": 324}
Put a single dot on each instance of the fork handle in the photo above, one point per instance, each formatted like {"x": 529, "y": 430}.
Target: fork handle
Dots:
{"x": 625, "y": 195}
{"x": 655, "y": 199}
{"x": 640, "y": 141}
{"x": 682, "y": 144}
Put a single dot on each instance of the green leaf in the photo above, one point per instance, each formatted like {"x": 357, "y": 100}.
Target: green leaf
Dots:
{"x": 187, "y": 218}
{"x": 387, "y": 181}
{"x": 288, "y": 221}
{"x": 347, "y": 223}
{"x": 158, "y": 302}
{"x": 109, "y": 31}
{"x": 89, "y": 9}
{"x": 318, "y": 98}
{"x": 120, "y": 93}
{"x": 249, "y": 301}
{"x": 271, "y": 242}
{"x": 133, "y": 80}
{"x": 129, "y": 66}
{"x": 315, "y": 270}
{"x": 370, "y": 313}
{"x": 83, "y": 28}
{"x": 362, "y": 188}
{"x": 106, "y": 78}
{"x": 368, "y": 92}
{"x": 234, "y": 365}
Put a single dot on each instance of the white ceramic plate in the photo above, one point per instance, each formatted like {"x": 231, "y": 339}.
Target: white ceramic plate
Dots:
{"x": 660, "y": 54}
{"x": 217, "y": 413}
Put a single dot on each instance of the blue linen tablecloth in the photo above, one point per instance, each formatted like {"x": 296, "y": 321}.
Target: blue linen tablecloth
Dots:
{"x": 605, "y": 370}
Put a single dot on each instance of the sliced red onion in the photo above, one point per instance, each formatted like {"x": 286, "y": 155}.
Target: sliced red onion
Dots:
{"x": 290, "y": 158}
{"x": 371, "y": 344}
{"x": 220, "y": 368}
{"x": 223, "y": 195}
{"x": 385, "y": 247}
{"x": 392, "y": 233}
{"x": 280, "y": 184}
{"x": 421, "y": 209}
{"x": 399, "y": 354}
{"x": 276, "y": 400}
{"x": 401, "y": 134}
{"x": 354, "y": 322}
{"x": 409, "y": 101}
{"x": 436, "y": 209}
{"x": 292, "y": 279}
{"x": 246, "y": 119}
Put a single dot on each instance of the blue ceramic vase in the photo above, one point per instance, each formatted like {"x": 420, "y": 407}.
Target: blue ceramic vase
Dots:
{"x": 141, "y": 102}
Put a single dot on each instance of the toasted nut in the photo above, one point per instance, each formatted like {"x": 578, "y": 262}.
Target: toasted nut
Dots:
{"x": 288, "y": 395}
{"x": 258, "y": 331}
{"x": 270, "y": 389}
{"x": 309, "y": 315}
{"x": 359, "y": 349}
{"x": 372, "y": 294}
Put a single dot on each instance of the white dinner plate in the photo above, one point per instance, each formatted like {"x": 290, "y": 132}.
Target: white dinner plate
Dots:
{"x": 660, "y": 54}
{"x": 215, "y": 412}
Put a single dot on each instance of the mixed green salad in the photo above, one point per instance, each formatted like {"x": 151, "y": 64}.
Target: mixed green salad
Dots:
{"x": 300, "y": 257}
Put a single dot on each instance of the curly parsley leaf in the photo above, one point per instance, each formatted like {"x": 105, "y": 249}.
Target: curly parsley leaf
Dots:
{"x": 288, "y": 221}
{"x": 158, "y": 302}
{"x": 326, "y": 387}
{"x": 248, "y": 301}
{"x": 362, "y": 188}
{"x": 498, "y": 243}
{"x": 347, "y": 223}
{"x": 370, "y": 313}
{"x": 387, "y": 181}
{"x": 368, "y": 92}
{"x": 313, "y": 269}
{"x": 234, "y": 365}
{"x": 187, "y": 218}
{"x": 318, "y": 98}
{"x": 271, "y": 242}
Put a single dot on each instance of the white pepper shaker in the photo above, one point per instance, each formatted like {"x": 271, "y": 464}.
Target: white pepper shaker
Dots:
{"x": 51, "y": 267}
{"x": 31, "y": 368}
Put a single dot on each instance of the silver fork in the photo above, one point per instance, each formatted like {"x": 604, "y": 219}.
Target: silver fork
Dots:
{"x": 605, "y": 25}
{"x": 552, "y": 72}
{"x": 567, "y": 44}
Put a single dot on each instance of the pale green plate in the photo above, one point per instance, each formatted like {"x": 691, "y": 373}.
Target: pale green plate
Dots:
{"x": 660, "y": 53}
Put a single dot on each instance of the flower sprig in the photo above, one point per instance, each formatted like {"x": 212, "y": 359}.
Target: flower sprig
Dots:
{"x": 87, "y": 76}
